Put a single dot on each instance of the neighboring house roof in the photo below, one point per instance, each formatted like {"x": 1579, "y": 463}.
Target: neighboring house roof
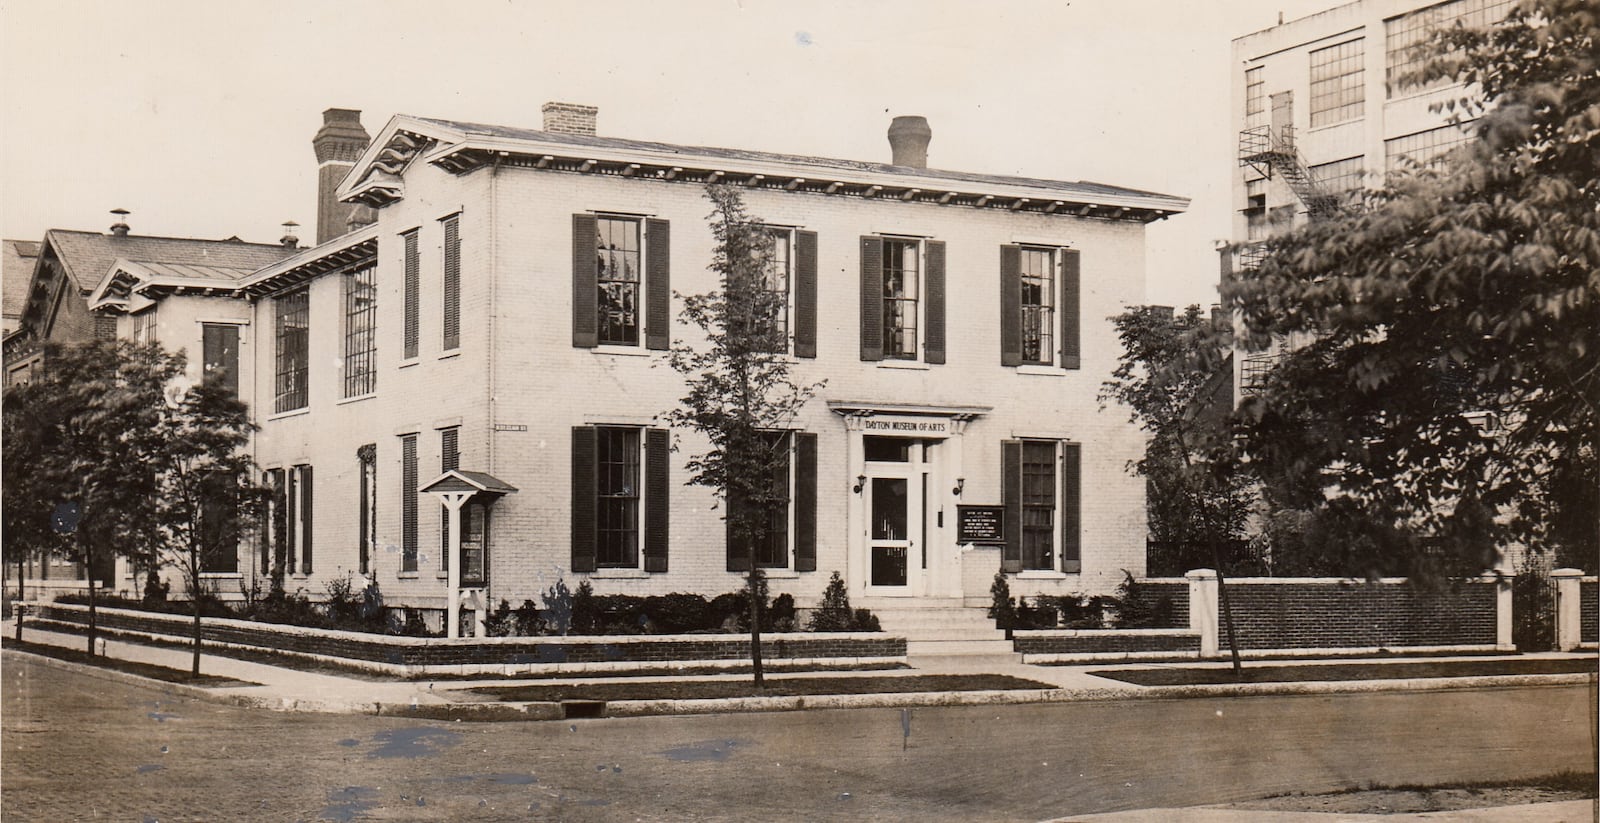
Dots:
{"x": 458, "y": 146}
{"x": 127, "y": 278}
{"x": 16, "y": 269}
{"x": 87, "y": 256}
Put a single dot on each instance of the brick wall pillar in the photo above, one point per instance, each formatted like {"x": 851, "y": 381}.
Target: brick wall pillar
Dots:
{"x": 1203, "y": 609}
{"x": 1569, "y": 608}
{"x": 1502, "y": 609}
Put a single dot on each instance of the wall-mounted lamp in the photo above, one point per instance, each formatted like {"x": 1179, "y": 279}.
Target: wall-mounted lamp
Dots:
{"x": 861, "y": 481}
{"x": 961, "y": 484}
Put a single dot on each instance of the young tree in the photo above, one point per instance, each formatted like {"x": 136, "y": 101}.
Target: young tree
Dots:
{"x": 79, "y": 478}
{"x": 1452, "y": 378}
{"x": 1175, "y": 378}
{"x": 740, "y": 393}
{"x": 204, "y": 497}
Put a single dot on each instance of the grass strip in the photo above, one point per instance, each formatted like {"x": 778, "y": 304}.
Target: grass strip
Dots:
{"x": 778, "y": 687}
{"x": 1347, "y": 671}
{"x": 150, "y": 670}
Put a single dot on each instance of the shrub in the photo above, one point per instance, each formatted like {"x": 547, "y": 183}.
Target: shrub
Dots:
{"x": 585, "y": 611}
{"x": 155, "y": 589}
{"x": 677, "y": 613}
{"x": 833, "y": 612}
{"x": 781, "y": 616}
{"x": 1002, "y": 608}
{"x": 558, "y": 608}
{"x": 1135, "y": 609}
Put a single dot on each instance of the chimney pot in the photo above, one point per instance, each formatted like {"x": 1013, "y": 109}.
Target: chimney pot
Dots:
{"x": 569, "y": 118}
{"x": 909, "y": 136}
{"x": 120, "y": 228}
{"x": 288, "y": 239}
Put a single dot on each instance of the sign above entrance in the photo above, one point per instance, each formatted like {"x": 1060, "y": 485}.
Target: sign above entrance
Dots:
{"x": 981, "y": 524}
{"x": 907, "y": 425}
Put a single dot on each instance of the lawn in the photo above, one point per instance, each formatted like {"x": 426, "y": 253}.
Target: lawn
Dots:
{"x": 1348, "y": 671}
{"x": 777, "y": 687}
{"x": 150, "y": 670}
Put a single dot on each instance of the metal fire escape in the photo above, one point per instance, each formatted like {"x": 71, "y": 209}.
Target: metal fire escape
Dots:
{"x": 1271, "y": 151}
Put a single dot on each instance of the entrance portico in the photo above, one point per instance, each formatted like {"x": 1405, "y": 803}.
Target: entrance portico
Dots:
{"x": 904, "y": 478}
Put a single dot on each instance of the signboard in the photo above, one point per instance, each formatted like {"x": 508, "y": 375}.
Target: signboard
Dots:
{"x": 907, "y": 425}
{"x": 981, "y": 524}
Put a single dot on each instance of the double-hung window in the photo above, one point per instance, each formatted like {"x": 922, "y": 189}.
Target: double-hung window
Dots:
{"x": 778, "y": 281}
{"x": 1039, "y": 306}
{"x": 360, "y": 331}
{"x": 1040, "y": 489}
{"x": 293, "y": 352}
{"x": 619, "y": 498}
{"x": 902, "y": 299}
{"x": 619, "y": 275}
{"x": 290, "y": 521}
{"x": 621, "y": 286}
{"x": 1039, "y": 280}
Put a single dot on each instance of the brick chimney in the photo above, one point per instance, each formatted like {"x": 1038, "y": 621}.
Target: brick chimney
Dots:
{"x": 908, "y": 140}
{"x": 569, "y": 118}
{"x": 338, "y": 144}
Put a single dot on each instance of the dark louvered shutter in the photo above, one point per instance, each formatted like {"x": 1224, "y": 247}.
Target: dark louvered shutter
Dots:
{"x": 452, "y": 282}
{"x": 871, "y": 298}
{"x": 1071, "y": 507}
{"x": 657, "y": 471}
{"x": 933, "y": 311}
{"x": 412, "y": 296}
{"x": 408, "y": 503}
{"x": 1011, "y": 496}
{"x": 658, "y": 287}
{"x": 805, "y": 502}
{"x": 307, "y": 501}
{"x": 585, "y": 286}
{"x": 583, "y": 502}
{"x": 738, "y": 551}
{"x": 449, "y": 460}
{"x": 291, "y": 519}
{"x": 1070, "y": 321}
{"x": 1010, "y": 305}
{"x": 805, "y": 294}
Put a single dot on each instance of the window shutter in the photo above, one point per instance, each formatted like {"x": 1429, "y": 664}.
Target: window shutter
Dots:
{"x": 1071, "y": 507}
{"x": 933, "y": 311}
{"x": 658, "y": 288}
{"x": 583, "y": 502}
{"x": 657, "y": 445}
{"x": 408, "y": 503}
{"x": 1011, "y": 494}
{"x": 585, "y": 285}
{"x": 738, "y": 551}
{"x": 1070, "y": 351}
{"x": 449, "y": 460}
{"x": 291, "y": 520}
{"x": 272, "y": 530}
{"x": 307, "y": 499}
{"x": 1010, "y": 305}
{"x": 805, "y": 294}
{"x": 871, "y": 298}
{"x": 412, "y": 297}
{"x": 805, "y": 502}
{"x": 452, "y": 282}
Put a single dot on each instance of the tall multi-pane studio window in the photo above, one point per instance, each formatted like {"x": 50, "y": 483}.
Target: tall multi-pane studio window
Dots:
{"x": 1409, "y": 39}
{"x": 1337, "y": 76}
{"x": 293, "y": 354}
{"x": 360, "y": 331}
{"x": 1341, "y": 178}
{"x": 1424, "y": 148}
{"x": 618, "y": 257}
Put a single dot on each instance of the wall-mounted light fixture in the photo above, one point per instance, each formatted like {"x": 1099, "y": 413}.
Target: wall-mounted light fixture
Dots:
{"x": 961, "y": 485}
{"x": 861, "y": 482}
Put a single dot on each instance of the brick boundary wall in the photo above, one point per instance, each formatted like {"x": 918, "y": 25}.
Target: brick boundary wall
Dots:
{"x": 1589, "y": 611}
{"x": 1106, "y": 642}
{"x": 1336, "y": 614}
{"x": 1151, "y": 590}
{"x": 414, "y": 655}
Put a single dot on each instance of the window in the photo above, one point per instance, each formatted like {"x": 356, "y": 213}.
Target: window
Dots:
{"x": 1408, "y": 39}
{"x": 412, "y": 293}
{"x": 902, "y": 267}
{"x": 367, "y": 457}
{"x": 219, "y": 527}
{"x": 1257, "y": 226}
{"x": 772, "y": 545}
{"x": 220, "y": 355}
{"x": 1255, "y": 92}
{"x": 1337, "y": 77}
{"x": 144, "y": 327}
{"x": 1428, "y": 149}
{"x": 1341, "y": 178}
{"x": 617, "y": 493}
{"x": 620, "y": 491}
{"x": 779, "y": 279}
{"x": 275, "y": 549}
{"x": 1041, "y": 496}
{"x": 408, "y": 503}
{"x": 360, "y": 332}
{"x": 452, "y": 282}
{"x": 292, "y": 497}
{"x": 1039, "y": 306}
{"x": 618, "y": 252}
{"x": 293, "y": 349}
{"x": 449, "y": 460}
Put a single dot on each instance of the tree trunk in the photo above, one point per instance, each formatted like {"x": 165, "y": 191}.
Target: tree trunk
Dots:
{"x": 755, "y": 617}
{"x": 194, "y": 588}
{"x": 1227, "y": 610}
{"x": 88, "y": 569}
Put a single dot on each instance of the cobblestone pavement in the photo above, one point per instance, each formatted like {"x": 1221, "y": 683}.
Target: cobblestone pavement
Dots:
{"x": 77, "y": 747}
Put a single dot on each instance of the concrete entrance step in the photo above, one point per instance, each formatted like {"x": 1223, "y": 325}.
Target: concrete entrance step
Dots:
{"x": 968, "y": 619}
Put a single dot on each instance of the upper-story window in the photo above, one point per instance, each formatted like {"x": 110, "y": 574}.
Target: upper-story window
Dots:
{"x": 1255, "y": 93}
{"x": 621, "y": 281}
{"x": 1039, "y": 322}
{"x": 219, "y": 346}
{"x": 1424, "y": 148}
{"x": 902, "y": 299}
{"x": 779, "y": 277}
{"x": 293, "y": 353}
{"x": 360, "y": 331}
{"x": 452, "y": 282}
{"x": 1341, "y": 178}
{"x": 1338, "y": 77}
{"x": 1408, "y": 39}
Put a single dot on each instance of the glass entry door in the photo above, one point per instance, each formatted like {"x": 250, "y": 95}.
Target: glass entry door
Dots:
{"x": 894, "y": 529}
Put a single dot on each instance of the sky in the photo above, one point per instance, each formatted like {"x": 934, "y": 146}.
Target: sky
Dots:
{"x": 197, "y": 115}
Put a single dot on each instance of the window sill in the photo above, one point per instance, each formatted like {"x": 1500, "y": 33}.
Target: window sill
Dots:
{"x": 1327, "y": 126}
{"x": 442, "y": 575}
{"x": 408, "y": 575}
{"x": 221, "y": 576}
{"x": 408, "y": 363}
{"x": 622, "y": 351}
{"x": 450, "y": 355}
{"x": 780, "y": 574}
{"x": 1042, "y": 371}
{"x": 290, "y": 413}
{"x": 1040, "y": 574}
{"x": 910, "y": 365}
{"x": 619, "y": 574}
{"x": 357, "y": 399}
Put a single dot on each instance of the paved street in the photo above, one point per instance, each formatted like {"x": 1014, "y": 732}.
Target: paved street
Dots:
{"x": 81, "y": 748}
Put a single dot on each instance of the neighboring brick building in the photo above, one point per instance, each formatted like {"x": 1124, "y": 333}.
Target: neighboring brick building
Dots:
{"x": 507, "y": 315}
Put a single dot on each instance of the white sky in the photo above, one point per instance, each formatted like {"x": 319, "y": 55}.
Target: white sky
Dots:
{"x": 197, "y": 115}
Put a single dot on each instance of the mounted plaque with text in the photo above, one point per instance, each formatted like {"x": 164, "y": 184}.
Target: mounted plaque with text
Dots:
{"x": 981, "y": 524}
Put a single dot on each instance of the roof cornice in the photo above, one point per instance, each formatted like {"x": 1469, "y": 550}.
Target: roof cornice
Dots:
{"x": 346, "y": 251}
